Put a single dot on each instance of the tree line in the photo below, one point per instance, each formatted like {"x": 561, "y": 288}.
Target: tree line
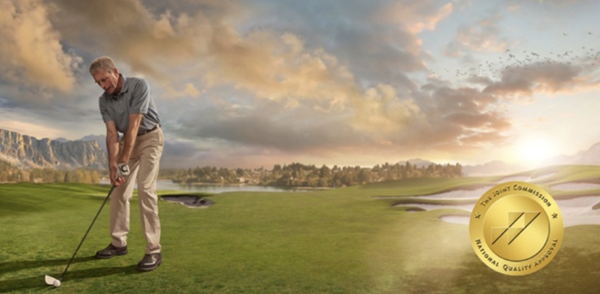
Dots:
{"x": 10, "y": 173}
{"x": 300, "y": 175}
{"x": 287, "y": 175}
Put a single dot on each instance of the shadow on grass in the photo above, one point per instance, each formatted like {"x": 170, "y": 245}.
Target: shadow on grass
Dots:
{"x": 13, "y": 266}
{"x": 38, "y": 283}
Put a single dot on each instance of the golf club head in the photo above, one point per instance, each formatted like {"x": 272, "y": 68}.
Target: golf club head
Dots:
{"x": 52, "y": 281}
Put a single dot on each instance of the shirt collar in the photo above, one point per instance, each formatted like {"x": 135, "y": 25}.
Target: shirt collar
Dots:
{"x": 124, "y": 88}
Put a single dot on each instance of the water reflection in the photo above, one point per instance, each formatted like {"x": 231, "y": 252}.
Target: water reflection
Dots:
{"x": 168, "y": 185}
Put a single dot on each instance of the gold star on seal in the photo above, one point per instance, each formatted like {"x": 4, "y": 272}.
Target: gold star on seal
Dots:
{"x": 477, "y": 215}
{"x": 554, "y": 215}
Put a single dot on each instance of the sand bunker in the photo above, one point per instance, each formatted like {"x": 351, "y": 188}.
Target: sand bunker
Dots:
{"x": 544, "y": 176}
{"x": 576, "y": 211}
{"x": 515, "y": 178}
{"x": 455, "y": 219}
{"x": 459, "y": 194}
{"x": 525, "y": 178}
{"x": 432, "y": 206}
{"x": 583, "y": 210}
{"x": 188, "y": 200}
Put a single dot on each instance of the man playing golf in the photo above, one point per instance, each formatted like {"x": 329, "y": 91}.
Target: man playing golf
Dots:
{"x": 127, "y": 107}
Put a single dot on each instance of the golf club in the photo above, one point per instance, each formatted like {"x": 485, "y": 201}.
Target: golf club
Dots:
{"x": 56, "y": 282}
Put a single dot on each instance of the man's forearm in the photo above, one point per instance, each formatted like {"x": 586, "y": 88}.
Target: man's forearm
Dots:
{"x": 130, "y": 136}
{"x": 112, "y": 145}
{"x": 127, "y": 147}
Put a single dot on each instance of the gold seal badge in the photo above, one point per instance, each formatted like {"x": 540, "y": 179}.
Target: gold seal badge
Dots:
{"x": 516, "y": 228}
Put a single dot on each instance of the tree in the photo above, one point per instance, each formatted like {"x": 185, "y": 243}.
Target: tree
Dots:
{"x": 363, "y": 176}
{"x": 408, "y": 170}
{"x": 458, "y": 170}
{"x": 95, "y": 177}
{"x": 325, "y": 172}
{"x": 59, "y": 176}
{"x": 239, "y": 172}
{"x": 68, "y": 177}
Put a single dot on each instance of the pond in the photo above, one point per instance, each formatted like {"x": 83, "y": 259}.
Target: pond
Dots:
{"x": 168, "y": 185}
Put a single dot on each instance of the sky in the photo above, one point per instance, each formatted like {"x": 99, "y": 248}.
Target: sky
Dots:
{"x": 255, "y": 83}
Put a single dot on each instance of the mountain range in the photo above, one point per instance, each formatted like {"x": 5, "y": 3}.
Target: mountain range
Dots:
{"x": 29, "y": 152}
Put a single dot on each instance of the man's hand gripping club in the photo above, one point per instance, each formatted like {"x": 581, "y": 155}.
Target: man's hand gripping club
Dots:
{"x": 123, "y": 169}
{"x": 119, "y": 175}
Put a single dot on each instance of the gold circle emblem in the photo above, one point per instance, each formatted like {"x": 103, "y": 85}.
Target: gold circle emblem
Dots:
{"x": 516, "y": 228}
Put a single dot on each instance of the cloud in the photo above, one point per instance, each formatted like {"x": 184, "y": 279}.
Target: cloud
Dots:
{"x": 280, "y": 68}
{"x": 198, "y": 45}
{"x": 462, "y": 118}
{"x": 270, "y": 126}
{"x": 482, "y": 36}
{"x": 30, "y": 129}
{"x": 554, "y": 2}
{"x": 374, "y": 40}
{"x": 414, "y": 16}
{"x": 382, "y": 114}
{"x": 53, "y": 120}
{"x": 542, "y": 77}
{"x": 31, "y": 53}
{"x": 132, "y": 34}
{"x": 514, "y": 7}
{"x": 295, "y": 97}
{"x": 189, "y": 90}
{"x": 192, "y": 49}
{"x": 376, "y": 120}
{"x": 177, "y": 153}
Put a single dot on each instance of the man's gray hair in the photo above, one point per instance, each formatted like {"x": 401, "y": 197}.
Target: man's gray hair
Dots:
{"x": 102, "y": 63}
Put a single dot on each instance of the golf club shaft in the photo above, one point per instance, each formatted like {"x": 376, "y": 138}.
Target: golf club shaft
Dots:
{"x": 86, "y": 233}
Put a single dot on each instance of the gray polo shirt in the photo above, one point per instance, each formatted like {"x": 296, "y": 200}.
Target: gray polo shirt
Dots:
{"x": 135, "y": 97}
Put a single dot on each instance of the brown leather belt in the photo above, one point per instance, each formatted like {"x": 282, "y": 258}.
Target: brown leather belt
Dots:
{"x": 148, "y": 131}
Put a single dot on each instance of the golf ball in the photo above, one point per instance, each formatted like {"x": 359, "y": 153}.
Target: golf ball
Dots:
{"x": 56, "y": 283}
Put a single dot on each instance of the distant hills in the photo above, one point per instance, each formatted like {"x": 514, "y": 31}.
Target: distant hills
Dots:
{"x": 418, "y": 162}
{"x": 588, "y": 157}
{"x": 494, "y": 167}
{"x": 591, "y": 156}
{"x": 29, "y": 152}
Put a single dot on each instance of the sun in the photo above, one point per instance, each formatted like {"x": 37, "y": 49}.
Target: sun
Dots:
{"x": 535, "y": 149}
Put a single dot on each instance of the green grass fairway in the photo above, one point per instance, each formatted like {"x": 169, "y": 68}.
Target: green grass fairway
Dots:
{"x": 329, "y": 241}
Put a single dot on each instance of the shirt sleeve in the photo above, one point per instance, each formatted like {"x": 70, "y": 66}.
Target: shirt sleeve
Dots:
{"x": 104, "y": 111}
{"x": 140, "y": 97}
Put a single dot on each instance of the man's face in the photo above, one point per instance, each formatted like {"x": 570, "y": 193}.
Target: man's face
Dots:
{"x": 107, "y": 80}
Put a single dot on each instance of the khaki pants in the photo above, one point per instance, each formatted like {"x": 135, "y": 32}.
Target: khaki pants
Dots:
{"x": 144, "y": 165}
